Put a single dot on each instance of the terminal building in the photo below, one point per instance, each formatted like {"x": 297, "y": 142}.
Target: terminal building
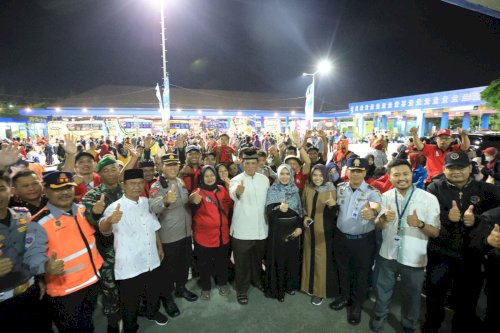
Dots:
{"x": 126, "y": 110}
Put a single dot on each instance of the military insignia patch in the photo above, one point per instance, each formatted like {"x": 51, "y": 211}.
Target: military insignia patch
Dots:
{"x": 454, "y": 156}
{"x": 29, "y": 240}
{"x": 474, "y": 199}
{"x": 357, "y": 163}
{"x": 57, "y": 223}
{"x": 22, "y": 228}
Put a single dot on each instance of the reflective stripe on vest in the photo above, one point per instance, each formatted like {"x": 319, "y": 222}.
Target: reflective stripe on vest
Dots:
{"x": 90, "y": 281}
{"x": 79, "y": 253}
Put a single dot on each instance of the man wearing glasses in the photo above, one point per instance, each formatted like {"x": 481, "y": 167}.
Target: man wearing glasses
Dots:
{"x": 435, "y": 153}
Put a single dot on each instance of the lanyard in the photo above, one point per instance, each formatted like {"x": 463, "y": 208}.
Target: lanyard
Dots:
{"x": 401, "y": 214}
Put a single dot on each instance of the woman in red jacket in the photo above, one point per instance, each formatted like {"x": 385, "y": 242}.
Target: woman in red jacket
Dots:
{"x": 211, "y": 231}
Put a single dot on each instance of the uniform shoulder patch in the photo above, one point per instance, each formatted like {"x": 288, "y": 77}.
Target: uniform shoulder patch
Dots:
{"x": 20, "y": 209}
{"x": 41, "y": 215}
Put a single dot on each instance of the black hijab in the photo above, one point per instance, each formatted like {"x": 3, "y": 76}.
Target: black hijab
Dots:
{"x": 202, "y": 178}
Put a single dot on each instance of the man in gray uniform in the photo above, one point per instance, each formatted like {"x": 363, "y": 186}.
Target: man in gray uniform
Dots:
{"x": 354, "y": 241}
{"x": 168, "y": 199}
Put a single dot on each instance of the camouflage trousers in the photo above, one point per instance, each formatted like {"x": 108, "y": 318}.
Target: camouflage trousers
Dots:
{"x": 111, "y": 295}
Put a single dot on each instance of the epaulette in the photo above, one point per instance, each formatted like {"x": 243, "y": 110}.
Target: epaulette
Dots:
{"x": 373, "y": 188}
{"x": 20, "y": 209}
{"x": 344, "y": 184}
{"x": 41, "y": 215}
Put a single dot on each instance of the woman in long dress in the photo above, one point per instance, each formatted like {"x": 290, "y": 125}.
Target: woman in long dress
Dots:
{"x": 318, "y": 200}
{"x": 284, "y": 211}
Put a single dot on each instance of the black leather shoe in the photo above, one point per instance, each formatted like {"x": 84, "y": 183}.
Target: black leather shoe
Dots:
{"x": 354, "y": 317}
{"x": 338, "y": 304}
{"x": 171, "y": 308}
{"x": 188, "y": 295}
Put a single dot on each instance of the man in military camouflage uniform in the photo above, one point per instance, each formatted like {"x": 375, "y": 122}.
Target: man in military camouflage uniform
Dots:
{"x": 95, "y": 202}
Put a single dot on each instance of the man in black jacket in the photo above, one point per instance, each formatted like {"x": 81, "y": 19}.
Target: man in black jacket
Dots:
{"x": 452, "y": 259}
{"x": 486, "y": 237}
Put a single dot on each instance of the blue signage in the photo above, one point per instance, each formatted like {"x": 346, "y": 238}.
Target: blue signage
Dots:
{"x": 439, "y": 100}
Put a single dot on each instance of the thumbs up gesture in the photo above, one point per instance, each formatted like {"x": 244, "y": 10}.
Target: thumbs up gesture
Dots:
{"x": 171, "y": 196}
{"x": 469, "y": 217}
{"x": 99, "y": 206}
{"x": 367, "y": 212}
{"x": 116, "y": 216}
{"x": 454, "y": 213}
{"x": 331, "y": 200}
{"x": 54, "y": 266}
{"x": 284, "y": 206}
{"x": 390, "y": 215}
{"x": 240, "y": 189}
{"x": 195, "y": 197}
{"x": 494, "y": 237}
{"x": 412, "y": 219}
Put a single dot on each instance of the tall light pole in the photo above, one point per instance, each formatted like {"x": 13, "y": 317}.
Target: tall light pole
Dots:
{"x": 323, "y": 67}
{"x": 165, "y": 114}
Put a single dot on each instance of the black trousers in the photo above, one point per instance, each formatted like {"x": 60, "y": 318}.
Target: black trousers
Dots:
{"x": 464, "y": 275}
{"x": 492, "y": 290}
{"x": 248, "y": 255}
{"x": 212, "y": 261}
{"x": 73, "y": 312}
{"x": 355, "y": 259}
{"x": 175, "y": 265}
{"x": 131, "y": 292}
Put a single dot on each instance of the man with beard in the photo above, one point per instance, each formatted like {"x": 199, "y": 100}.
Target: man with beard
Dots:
{"x": 191, "y": 171}
{"x": 95, "y": 202}
{"x": 169, "y": 200}
{"x": 452, "y": 259}
{"x": 409, "y": 216}
{"x": 435, "y": 154}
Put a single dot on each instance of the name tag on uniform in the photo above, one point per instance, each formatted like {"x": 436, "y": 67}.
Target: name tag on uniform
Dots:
{"x": 397, "y": 240}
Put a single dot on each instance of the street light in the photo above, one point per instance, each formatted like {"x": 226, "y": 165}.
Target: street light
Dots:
{"x": 323, "y": 67}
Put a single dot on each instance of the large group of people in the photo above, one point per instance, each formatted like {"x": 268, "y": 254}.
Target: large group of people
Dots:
{"x": 133, "y": 219}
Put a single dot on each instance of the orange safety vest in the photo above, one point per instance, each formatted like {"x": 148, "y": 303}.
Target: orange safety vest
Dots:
{"x": 65, "y": 239}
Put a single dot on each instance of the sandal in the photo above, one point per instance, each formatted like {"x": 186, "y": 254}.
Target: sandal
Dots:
{"x": 205, "y": 295}
{"x": 242, "y": 299}
{"x": 224, "y": 290}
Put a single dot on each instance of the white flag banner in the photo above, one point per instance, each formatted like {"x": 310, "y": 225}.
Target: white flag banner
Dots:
{"x": 165, "y": 115}
{"x": 309, "y": 107}
{"x": 158, "y": 95}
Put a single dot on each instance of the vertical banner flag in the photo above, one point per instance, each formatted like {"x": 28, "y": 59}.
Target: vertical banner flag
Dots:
{"x": 165, "y": 115}
{"x": 309, "y": 107}
{"x": 158, "y": 95}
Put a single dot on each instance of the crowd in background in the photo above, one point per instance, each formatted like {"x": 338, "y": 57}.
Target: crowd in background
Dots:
{"x": 132, "y": 218}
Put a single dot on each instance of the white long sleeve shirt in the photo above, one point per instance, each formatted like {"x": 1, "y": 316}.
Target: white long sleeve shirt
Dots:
{"x": 249, "y": 221}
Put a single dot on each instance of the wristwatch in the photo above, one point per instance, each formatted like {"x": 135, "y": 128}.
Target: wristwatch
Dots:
{"x": 422, "y": 225}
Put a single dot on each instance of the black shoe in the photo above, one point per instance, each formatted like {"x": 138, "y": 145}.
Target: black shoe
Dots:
{"x": 160, "y": 319}
{"x": 290, "y": 292}
{"x": 354, "y": 317}
{"x": 188, "y": 295}
{"x": 338, "y": 304}
{"x": 171, "y": 307}
{"x": 376, "y": 323}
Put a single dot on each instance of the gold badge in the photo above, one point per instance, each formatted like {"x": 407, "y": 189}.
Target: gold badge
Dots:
{"x": 171, "y": 157}
{"x": 454, "y": 156}
{"x": 357, "y": 163}
{"x": 58, "y": 223}
{"x": 22, "y": 228}
{"x": 63, "y": 179}
{"x": 23, "y": 221}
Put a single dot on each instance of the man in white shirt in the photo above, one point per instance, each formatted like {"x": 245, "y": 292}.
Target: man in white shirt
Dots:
{"x": 409, "y": 216}
{"x": 138, "y": 250}
{"x": 249, "y": 228}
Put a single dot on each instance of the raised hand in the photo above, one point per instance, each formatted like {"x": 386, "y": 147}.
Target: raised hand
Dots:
{"x": 414, "y": 130}
{"x": 179, "y": 141}
{"x": 295, "y": 137}
{"x": 54, "y": 266}
{"x": 8, "y": 155}
{"x": 367, "y": 212}
{"x": 461, "y": 131}
{"x": 99, "y": 206}
{"x": 412, "y": 219}
{"x": 148, "y": 142}
{"x": 390, "y": 215}
{"x": 69, "y": 144}
{"x": 331, "y": 201}
{"x": 494, "y": 237}
{"x": 469, "y": 217}
{"x": 284, "y": 206}
{"x": 240, "y": 189}
{"x": 78, "y": 179}
{"x": 454, "y": 214}
{"x": 195, "y": 197}
{"x": 116, "y": 216}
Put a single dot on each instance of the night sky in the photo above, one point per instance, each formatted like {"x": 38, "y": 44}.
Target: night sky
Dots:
{"x": 380, "y": 49}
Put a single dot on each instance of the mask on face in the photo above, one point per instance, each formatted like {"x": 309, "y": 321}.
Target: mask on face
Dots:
{"x": 489, "y": 158}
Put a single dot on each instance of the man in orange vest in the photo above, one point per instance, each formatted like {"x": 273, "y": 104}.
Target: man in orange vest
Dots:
{"x": 65, "y": 254}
